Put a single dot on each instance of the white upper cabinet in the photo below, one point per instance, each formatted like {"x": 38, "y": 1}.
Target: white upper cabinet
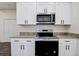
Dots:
{"x": 40, "y": 8}
{"x": 26, "y": 13}
{"x": 45, "y": 8}
{"x": 63, "y": 13}
{"x": 51, "y": 7}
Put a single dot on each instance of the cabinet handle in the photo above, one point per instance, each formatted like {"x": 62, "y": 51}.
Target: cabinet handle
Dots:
{"x": 46, "y": 10}
{"x": 21, "y": 47}
{"x": 61, "y": 21}
{"x": 66, "y": 47}
{"x": 26, "y": 21}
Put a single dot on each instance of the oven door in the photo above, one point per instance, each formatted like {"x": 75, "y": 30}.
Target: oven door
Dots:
{"x": 46, "y": 48}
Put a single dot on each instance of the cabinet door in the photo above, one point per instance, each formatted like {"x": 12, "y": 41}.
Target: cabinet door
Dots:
{"x": 67, "y": 47}
{"x": 51, "y": 7}
{"x": 63, "y": 13}
{"x": 29, "y": 47}
{"x": 62, "y": 47}
{"x": 30, "y": 13}
{"x": 16, "y": 48}
{"x": 26, "y": 13}
{"x": 71, "y": 47}
{"x": 41, "y": 8}
{"x": 46, "y": 7}
{"x": 77, "y": 47}
{"x": 19, "y": 13}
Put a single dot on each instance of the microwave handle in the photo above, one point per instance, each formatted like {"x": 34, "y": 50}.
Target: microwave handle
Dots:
{"x": 53, "y": 18}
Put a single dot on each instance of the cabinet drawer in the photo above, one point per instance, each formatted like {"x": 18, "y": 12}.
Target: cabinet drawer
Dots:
{"x": 67, "y": 41}
{"x": 24, "y": 40}
{"x": 15, "y": 40}
{"x": 29, "y": 41}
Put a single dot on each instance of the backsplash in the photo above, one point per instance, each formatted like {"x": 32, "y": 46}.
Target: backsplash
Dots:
{"x": 27, "y": 33}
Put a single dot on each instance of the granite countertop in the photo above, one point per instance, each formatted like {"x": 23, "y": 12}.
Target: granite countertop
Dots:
{"x": 59, "y": 36}
{"x": 63, "y": 36}
{"x": 23, "y": 36}
{"x": 66, "y": 37}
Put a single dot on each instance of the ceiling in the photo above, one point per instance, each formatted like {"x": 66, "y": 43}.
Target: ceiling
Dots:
{"x": 7, "y": 5}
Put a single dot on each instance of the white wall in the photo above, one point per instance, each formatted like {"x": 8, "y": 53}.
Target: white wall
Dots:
{"x": 5, "y": 14}
{"x": 75, "y": 18}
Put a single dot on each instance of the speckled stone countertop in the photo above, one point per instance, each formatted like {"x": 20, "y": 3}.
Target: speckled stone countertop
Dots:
{"x": 66, "y": 37}
{"x": 60, "y": 36}
{"x": 28, "y": 36}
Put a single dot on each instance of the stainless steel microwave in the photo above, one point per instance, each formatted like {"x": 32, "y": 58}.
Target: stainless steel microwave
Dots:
{"x": 45, "y": 19}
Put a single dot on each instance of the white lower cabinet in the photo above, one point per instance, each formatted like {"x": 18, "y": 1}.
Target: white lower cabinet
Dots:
{"x": 67, "y": 47}
{"x": 22, "y": 47}
{"x": 77, "y": 47}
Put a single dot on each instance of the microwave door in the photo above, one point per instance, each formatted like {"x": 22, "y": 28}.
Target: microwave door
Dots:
{"x": 40, "y": 19}
{"x": 47, "y": 19}
{"x": 43, "y": 18}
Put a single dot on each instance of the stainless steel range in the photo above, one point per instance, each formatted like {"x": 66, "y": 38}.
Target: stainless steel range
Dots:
{"x": 46, "y": 43}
